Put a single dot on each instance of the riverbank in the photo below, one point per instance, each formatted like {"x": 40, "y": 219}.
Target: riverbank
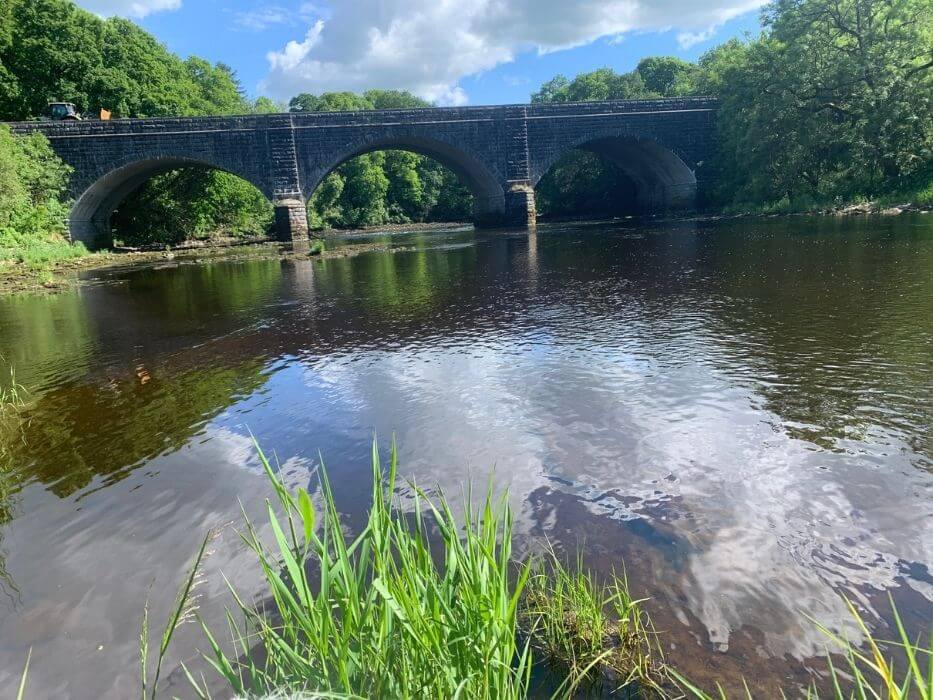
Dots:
{"x": 389, "y": 228}
{"x": 61, "y": 274}
{"x": 916, "y": 201}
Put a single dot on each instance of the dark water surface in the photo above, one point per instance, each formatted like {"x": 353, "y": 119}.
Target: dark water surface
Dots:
{"x": 741, "y": 412}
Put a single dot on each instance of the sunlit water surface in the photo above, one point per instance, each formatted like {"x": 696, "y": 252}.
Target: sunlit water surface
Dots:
{"x": 739, "y": 413}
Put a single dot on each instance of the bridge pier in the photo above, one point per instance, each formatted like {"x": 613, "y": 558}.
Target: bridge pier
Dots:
{"x": 515, "y": 210}
{"x": 520, "y": 206}
{"x": 291, "y": 221}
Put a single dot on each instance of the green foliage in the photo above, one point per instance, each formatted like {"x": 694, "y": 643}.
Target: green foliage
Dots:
{"x": 405, "y": 193}
{"x": 374, "y": 615}
{"x": 324, "y": 210}
{"x": 329, "y": 102}
{"x": 363, "y": 200}
{"x": 445, "y": 197}
{"x": 601, "y": 84}
{"x": 264, "y": 105}
{"x": 831, "y": 103}
{"x": 668, "y": 76}
{"x": 419, "y": 604}
{"x": 583, "y": 183}
{"x": 193, "y": 204}
{"x": 32, "y": 215}
{"x": 592, "y": 630}
{"x": 52, "y": 50}
{"x": 386, "y": 187}
{"x": 394, "y": 99}
{"x": 218, "y": 90}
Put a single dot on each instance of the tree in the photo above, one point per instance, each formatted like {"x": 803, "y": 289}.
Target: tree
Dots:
{"x": 329, "y": 102}
{"x": 51, "y": 51}
{"x": 668, "y": 76}
{"x": 404, "y": 186}
{"x": 9, "y": 86}
{"x": 405, "y": 194}
{"x": 601, "y": 84}
{"x": 192, "y": 204}
{"x": 32, "y": 182}
{"x": 363, "y": 199}
{"x": 324, "y": 206}
{"x": 219, "y": 91}
{"x": 832, "y": 101}
{"x": 394, "y": 99}
{"x": 583, "y": 184}
{"x": 264, "y": 105}
{"x": 554, "y": 90}
{"x": 304, "y": 102}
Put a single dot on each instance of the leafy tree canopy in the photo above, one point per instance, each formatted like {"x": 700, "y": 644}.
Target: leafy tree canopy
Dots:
{"x": 51, "y": 50}
{"x": 832, "y": 102}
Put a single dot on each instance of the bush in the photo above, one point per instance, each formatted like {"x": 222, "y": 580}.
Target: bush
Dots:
{"x": 192, "y": 204}
{"x": 33, "y": 181}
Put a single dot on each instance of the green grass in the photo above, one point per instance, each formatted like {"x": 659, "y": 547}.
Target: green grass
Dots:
{"x": 420, "y": 604}
{"x": 596, "y": 633}
{"x": 21, "y": 690}
{"x": 12, "y": 401}
{"x": 378, "y": 617}
{"x": 867, "y": 672}
{"x": 921, "y": 196}
{"x": 916, "y": 195}
{"x": 42, "y": 254}
{"x": 12, "y": 395}
{"x": 317, "y": 246}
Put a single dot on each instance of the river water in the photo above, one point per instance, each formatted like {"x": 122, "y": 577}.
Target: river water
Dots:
{"x": 739, "y": 413}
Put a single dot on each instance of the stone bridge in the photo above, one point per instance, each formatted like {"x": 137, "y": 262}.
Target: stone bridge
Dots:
{"x": 500, "y": 153}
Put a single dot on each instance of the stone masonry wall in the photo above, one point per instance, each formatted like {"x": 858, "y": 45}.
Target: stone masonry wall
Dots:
{"x": 500, "y": 152}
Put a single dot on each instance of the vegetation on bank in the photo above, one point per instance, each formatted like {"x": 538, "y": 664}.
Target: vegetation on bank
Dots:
{"x": 32, "y": 214}
{"x": 423, "y": 604}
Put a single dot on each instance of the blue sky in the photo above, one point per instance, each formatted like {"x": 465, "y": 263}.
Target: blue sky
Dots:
{"x": 448, "y": 51}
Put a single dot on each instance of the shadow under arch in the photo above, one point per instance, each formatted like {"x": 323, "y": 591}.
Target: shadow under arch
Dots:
{"x": 663, "y": 181}
{"x": 89, "y": 219}
{"x": 485, "y": 186}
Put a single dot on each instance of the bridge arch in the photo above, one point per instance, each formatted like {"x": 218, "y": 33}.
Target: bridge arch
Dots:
{"x": 89, "y": 219}
{"x": 485, "y": 185}
{"x": 663, "y": 181}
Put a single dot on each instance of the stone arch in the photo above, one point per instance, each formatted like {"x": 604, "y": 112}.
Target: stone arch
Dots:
{"x": 89, "y": 219}
{"x": 485, "y": 186}
{"x": 664, "y": 181}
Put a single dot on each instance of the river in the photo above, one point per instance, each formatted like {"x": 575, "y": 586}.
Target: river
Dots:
{"x": 740, "y": 413}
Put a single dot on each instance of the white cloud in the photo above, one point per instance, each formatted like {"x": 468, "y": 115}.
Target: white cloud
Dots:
{"x": 262, "y": 18}
{"x": 687, "y": 39}
{"x": 128, "y": 8}
{"x": 428, "y": 46}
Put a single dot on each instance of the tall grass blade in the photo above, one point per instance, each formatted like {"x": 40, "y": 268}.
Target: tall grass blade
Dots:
{"x": 22, "y": 681}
